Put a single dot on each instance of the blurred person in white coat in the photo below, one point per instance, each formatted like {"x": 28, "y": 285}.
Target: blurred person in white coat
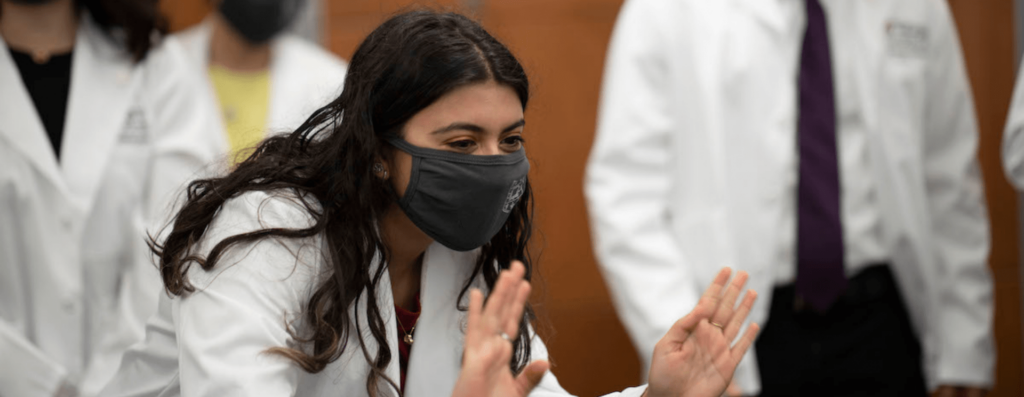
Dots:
{"x": 264, "y": 79}
{"x": 828, "y": 148}
{"x": 340, "y": 260}
{"x": 97, "y": 124}
{"x": 1013, "y": 136}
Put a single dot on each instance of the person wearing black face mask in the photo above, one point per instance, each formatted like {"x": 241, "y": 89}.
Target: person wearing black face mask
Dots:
{"x": 264, "y": 79}
{"x": 350, "y": 257}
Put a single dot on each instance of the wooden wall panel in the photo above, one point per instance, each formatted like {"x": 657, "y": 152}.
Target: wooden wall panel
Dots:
{"x": 349, "y": 21}
{"x": 986, "y": 34}
{"x": 562, "y": 44}
{"x": 184, "y": 13}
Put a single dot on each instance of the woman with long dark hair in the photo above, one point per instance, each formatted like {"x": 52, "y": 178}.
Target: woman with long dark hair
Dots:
{"x": 347, "y": 258}
{"x": 96, "y": 115}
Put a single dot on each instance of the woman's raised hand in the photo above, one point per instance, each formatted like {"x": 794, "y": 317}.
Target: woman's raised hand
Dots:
{"x": 489, "y": 334}
{"x": 696, "y": 357}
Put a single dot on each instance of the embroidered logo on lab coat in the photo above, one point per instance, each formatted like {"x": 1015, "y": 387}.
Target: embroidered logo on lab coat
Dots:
{"x": 135, "y": 130}
{"x": 906, "y": 39}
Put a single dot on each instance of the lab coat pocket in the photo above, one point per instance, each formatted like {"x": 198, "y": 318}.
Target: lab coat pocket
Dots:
{"x": 901, "y": 105}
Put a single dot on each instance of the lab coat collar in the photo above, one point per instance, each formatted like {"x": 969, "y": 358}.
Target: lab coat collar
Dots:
{"x": 20, "y": 125}
{"x": 436, "y": 357}
{"x": 101, "y": 93}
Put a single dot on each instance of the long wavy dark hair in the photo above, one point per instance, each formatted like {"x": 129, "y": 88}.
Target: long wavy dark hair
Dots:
{"x": 137, "y": 25}
{"x": 403, "y": 66}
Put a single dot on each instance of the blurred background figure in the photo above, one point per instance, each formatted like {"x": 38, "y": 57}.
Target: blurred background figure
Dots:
{"x": 263, "y": 78}
{"x": 827, "y": 147}
{"x": 98, "y": 119}
{"x": 1013, "y": 136}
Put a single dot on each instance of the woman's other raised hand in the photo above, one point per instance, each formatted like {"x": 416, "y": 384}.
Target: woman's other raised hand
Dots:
{"x": 697, "y": 357}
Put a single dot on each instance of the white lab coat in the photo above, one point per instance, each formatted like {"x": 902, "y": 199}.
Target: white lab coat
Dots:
{"x": 303, "y": 78}
{"x": 75, "y": 279}
{"x": 212, "y": 342}
{"x": 1013, "y": 136}
{"x": 694, "y": 156}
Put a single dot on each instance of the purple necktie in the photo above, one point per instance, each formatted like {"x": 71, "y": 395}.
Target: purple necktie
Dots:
{"x": 820, "y": 277}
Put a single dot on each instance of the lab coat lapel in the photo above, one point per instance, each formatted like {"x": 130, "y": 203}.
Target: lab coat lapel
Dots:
{"x": 386, "y": 303}
{"x": 436, "y": 356}
{"x": 20, "y": 125}
{"x": 101, "y": 95}
{"x": 197, "y": 45}
{"x": 890, "y": 162}
{"x": 347, "y": 375}
{"x": 285, "y": 79}
{"x": 883, "y": 150}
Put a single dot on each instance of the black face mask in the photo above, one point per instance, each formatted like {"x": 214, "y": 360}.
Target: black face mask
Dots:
{"x": 462, "y": 200}
{"x": 259, "y": 20}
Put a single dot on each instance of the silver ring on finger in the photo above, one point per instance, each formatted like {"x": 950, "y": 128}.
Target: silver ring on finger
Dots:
{"x": 505, "y": 336}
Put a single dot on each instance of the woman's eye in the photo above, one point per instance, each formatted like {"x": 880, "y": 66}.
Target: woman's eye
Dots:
{"x": 514, "y": 140}
{"x": 461, "y": 144}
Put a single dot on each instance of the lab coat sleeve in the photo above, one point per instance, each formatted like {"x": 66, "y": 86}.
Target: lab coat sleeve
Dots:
{"x": 549, "y": 386}
{"x": 1013, "y": 136}
{"x": 246, "y": 305}
{"x": 628, "y": 183}
{"x": 151, "y": 366}
{"x": 179, "y": 117}
{"x": 956, "y": 202}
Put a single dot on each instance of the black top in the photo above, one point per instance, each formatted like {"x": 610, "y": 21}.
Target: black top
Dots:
{"x": 48, "y": 85}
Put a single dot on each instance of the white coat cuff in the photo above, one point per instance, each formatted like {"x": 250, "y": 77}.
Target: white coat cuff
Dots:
{"x": 632, "y": 392}
{"x": 965, "y": 367}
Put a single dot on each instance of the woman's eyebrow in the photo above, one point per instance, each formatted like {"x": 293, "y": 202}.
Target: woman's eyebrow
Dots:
{"x": 515, "y": 125}
{"x": 459, "y": 126}
{"x": 475, "y": 128}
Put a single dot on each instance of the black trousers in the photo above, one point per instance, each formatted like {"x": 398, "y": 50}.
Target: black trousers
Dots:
{"x": 863, "y": 346}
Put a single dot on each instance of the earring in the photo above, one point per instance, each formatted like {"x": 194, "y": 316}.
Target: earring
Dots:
{"x": 379, "y": 169}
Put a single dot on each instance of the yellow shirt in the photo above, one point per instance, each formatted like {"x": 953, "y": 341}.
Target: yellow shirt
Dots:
{"x": 244, "y": 98}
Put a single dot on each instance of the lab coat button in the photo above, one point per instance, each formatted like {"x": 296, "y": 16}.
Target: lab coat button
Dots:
{"x": 69, "y": 306}
{"x": 66, "y": 223}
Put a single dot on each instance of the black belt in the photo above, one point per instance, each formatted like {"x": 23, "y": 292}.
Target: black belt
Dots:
{"x": 873, "y": 283}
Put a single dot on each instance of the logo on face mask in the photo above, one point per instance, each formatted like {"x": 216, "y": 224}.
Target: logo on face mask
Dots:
{"x": 514, "y": 193}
